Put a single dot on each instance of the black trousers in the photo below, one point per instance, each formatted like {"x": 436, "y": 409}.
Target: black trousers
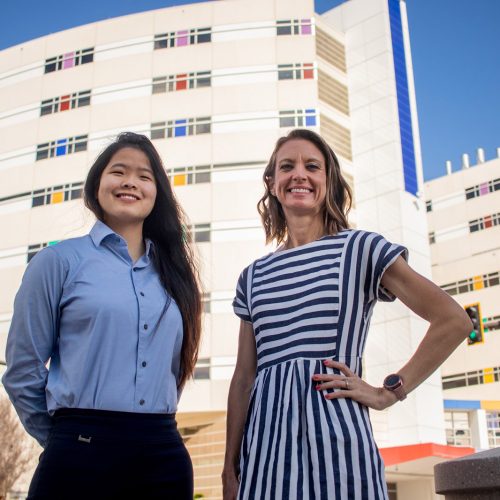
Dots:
{"x": 94, "y": 454}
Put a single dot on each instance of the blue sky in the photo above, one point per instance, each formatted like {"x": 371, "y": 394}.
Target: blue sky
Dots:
{"x": 455, "y": 45}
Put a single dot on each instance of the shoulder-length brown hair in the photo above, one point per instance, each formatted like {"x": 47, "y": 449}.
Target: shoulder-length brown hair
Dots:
{"x": 172, "y": 253}
{"x": 338, "y": 200}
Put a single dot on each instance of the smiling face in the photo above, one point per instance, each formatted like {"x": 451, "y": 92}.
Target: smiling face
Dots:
{"x": 299, "y": 181}
{"x": 127, "y": 189}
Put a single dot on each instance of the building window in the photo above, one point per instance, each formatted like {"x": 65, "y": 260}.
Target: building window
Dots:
{"x": 475, "y": 377}
{"x": 484, "y": 222}
{"x": 181, "y": 81}
{"x": 69, "y": 60}
{"x": 472, "y": 283}
{"x": 482, "y": 189}
{"x": 294, "y": 27}
{"x": 65, "y": 102}
{"x": 57, "y": 194}
{"x": 432, "y": 238}
{"x": 181, "y": 128}
{"x": 182, "y": 38}
{"x": 200, "y": 232}
{"x": 61, "y": 147}
{"x": 392, "y": 490}
{"x": 428, "y": 205}
{"x": 202, "y": 369}
{"x": 183, "y": 176}
{"x": 296, "y": 71}
{"x": 298, "y": 118}
{"x": 457, "y": 428}
{"x": 206, "y": 302}
{"x": 493, "y": 425}
{"x": 34, "y": 249}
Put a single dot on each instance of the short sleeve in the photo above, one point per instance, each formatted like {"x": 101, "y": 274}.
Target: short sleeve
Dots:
{"x": 380, "y": 254}
{"x": 241, "y": 300}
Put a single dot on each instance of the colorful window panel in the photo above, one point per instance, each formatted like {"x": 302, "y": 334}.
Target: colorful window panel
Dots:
{"x": 181, "y": 81}
{"x": 34, "y": 249}
{"x": 294, "y": 27}
{"x": 181, "y": 127}
{"x": 61, "y": 147}
{"x": 482, "y": 189}
{"x": 472, "y": 283}
{"x": 484, "y": 222}
{"x": 295, "y": 71}
{"x": 182, "y": 38}
{"x": 65, "y": 102}
{"x": 183, "y": 176}
{"x": 476, "y": 377}
{"x": 69, "y": 60}
{"x": 57, "y": 194}
{"x": 298, "y": 118}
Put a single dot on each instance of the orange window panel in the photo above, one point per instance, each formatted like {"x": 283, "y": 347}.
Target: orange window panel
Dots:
{"x": 308, "y": 73}
{"x": 181, "y": 82}
{"x": 478, "y": 282}
{"x": 487, "y": 221}
{"x": 180, "y": 180}
{"x": 57, "y": 197}
{"x": 488, "y": 376}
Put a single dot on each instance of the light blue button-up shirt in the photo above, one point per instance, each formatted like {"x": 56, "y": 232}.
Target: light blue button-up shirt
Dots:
{"x": 111, "y": 332}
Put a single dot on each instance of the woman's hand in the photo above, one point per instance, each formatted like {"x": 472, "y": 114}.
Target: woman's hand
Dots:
{"x": 230, "y": 484}
{"x": 352, "y": 386}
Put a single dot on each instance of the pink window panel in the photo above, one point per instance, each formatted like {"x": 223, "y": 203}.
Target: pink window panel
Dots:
{"x": 488, "y": 222}
{"x": 483, "y": 188}
{"x": 182, "y": 38}
{"x": 181, "y": 82}
{"x": 64, "y": 106}
{"x": 308, "y": 71}
{"x": 305, "y": 26}
{"x": 68, "y": 60}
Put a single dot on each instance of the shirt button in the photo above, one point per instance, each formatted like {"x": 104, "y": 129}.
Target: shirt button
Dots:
{"x": 135, "y": 269}
{"x": 144, "y": 364}
{"x": 145, "y": 326}
{"x": 141, "y": 294}
{"x": 141, "y": 402}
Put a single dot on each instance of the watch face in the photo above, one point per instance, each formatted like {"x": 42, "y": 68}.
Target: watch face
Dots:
{"x": 392, "y": 380}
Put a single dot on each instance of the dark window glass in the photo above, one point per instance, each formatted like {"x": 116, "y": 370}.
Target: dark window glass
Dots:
{"x": 493, "y": 279}
{"x": 46, "y": 108}
{"x": 50, "y": 65}
{"x": 84, "y": 99}
{"x": 202, "y": 373}
{"x": 495, "y": 185}
{"x": 204, "y": 35}
{"x": 158, "y": 130}
{"x": 452, "y": 384}
{"x": 159, "y": 85}
{"x": 76, "y": 193}
{"x": 428, "y": 206}
{"x": 38, "y": 198}
{"x": 87, "y": 56}
{"x": 161, "y": 41}
{"x": 474, "y": 226}
{"x": 203, "y": 80}
{"x": 283, "y": 28}
{"x": 203, "y": 128}
{"x": 202, "y": 177}
{"x": 470, "y": 193}
{"x": 80, "y": 143}
{"x": 201, "y": 236}
{"x": 42, "y": 151}
{"x": 285, "y": 74}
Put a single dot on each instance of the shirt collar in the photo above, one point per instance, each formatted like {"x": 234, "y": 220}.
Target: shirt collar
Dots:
{"x": 101, "y": 231}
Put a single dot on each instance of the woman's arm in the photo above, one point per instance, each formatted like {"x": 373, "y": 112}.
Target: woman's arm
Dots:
{"x": 449, "y": 325}
{"x": 31, "y": 340}
{"x": 238, "y": 401}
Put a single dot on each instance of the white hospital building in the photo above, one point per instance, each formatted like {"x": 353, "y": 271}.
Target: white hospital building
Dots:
{"x": 214, "y": 85}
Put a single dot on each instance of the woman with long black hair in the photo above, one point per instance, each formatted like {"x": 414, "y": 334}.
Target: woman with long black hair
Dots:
{"x": 117, "y": 314}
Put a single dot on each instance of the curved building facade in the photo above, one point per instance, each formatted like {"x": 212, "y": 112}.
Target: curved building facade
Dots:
{"x": 215, "y": 85}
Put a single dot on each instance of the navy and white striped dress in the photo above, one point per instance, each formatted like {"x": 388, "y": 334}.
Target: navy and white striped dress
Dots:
{"x": 307, "y": 304}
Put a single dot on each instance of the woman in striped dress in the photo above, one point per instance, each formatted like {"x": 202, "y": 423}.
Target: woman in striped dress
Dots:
{"x": 298, "y": 424}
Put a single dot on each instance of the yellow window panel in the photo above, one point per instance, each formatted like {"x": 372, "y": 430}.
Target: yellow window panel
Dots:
{"x": 180, "y": 180}
{"x": 488, "y": 376}
{"x": 478, "y": 282}
{"x": 490, "y": 405}
{"x": 57, "y": 197}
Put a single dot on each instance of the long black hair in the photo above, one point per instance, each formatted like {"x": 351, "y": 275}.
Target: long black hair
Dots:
{"x": 166, "y": 227}
{"x": 338, "y": 199}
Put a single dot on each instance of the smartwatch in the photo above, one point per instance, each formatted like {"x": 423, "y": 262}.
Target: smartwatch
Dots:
{"x": 394, "y": 383}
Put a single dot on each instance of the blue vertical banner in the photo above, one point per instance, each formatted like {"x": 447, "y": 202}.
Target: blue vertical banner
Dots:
{"x": 403, "y": 96}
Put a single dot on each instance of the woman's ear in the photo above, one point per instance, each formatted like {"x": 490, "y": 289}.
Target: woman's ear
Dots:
{"x": 270, "y": 185}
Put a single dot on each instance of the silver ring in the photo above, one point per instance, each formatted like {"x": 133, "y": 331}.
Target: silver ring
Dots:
{"x": 346, "y": 384}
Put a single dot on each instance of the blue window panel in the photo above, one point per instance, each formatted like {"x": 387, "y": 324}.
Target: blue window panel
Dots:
{"x": 310, "y": 117}
{"x": 180, "y": 128}
{"x": 61, "y": 147}
{"x": 404, "y": 111}
{"x": 461, "y": 404}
